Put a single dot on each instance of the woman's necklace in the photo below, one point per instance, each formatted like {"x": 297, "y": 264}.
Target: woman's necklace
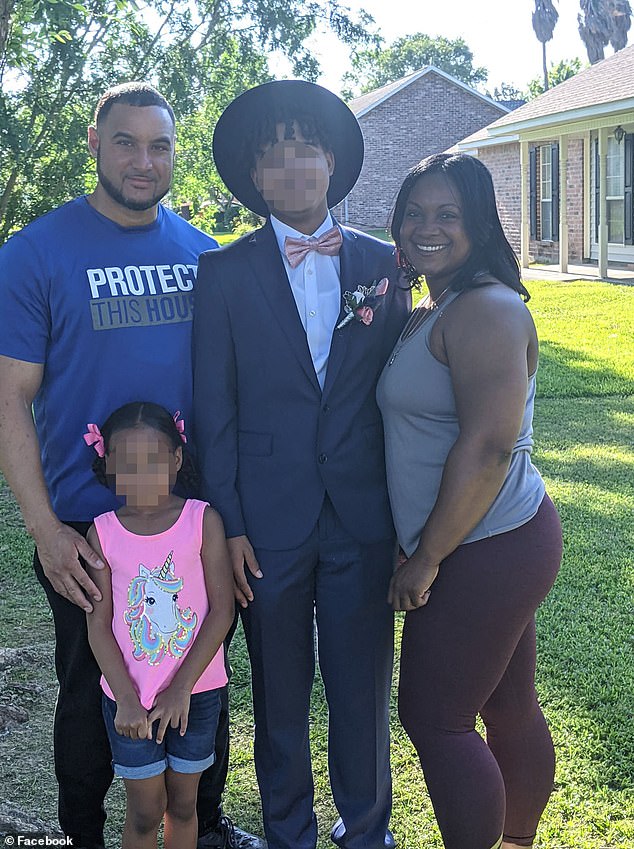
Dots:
{"x": 417, "y": 318}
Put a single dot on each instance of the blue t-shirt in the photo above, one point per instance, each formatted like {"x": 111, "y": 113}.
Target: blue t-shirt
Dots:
{"x": 107, "y": 310}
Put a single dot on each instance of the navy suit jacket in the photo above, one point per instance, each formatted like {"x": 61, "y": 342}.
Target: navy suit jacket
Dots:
{"x": 270, "y": 443}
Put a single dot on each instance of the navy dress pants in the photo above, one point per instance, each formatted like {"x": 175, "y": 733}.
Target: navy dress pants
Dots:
{"x": 341, "y": 585}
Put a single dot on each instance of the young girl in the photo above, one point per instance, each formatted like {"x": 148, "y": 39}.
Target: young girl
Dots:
{"x": 157, "y": 633}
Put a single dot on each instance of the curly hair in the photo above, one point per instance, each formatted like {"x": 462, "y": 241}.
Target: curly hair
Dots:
{"x": 263, "y": 131}
{"x": 491, "y": 251}
{"x": 148, "y": 414}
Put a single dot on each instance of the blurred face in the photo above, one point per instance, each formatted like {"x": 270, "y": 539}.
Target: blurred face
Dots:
{"x": 144, "y": 466}
{"x": 293, "y": 175}
{"x": 134, "y": 148}
{"x": 433, "y": 233}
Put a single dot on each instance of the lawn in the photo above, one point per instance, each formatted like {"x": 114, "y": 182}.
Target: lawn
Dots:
{"x": 584, "y": 428}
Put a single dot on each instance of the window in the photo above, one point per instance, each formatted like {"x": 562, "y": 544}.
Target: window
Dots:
{"x": 615, "y": 194}
{"x": 543, "y": 195}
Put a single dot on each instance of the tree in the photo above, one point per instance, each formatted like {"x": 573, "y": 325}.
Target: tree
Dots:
{"x": 57, "y": 56}
{"x": 595, "y": 28}
{"x": 545, "y": 17}
{"x": 621, "y": 13}
{"x": 506, "y": 92}
{"x": 557, "y": 74}
{"x": 374, "y": 67}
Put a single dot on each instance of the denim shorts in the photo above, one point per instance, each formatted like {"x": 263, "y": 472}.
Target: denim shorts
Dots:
{"x": 193, "y": 752}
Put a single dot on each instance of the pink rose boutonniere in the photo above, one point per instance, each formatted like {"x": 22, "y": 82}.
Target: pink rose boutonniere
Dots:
{"x": 363, "y": 303}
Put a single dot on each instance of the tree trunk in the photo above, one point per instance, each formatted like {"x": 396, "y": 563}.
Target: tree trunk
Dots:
{"x": 545, "y": 66}
{"x": 6, "y": 7}
{"x": 4, "y": 202}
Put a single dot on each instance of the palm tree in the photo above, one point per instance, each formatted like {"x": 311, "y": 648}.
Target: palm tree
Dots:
{"x": 545, "y": 17}
{"x": 595, "y": 27}
{"x": 621, "y": 13}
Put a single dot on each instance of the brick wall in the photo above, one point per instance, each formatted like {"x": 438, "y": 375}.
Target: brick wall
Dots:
{"x": 576, "y": 200}
{"x": 428, "y": 116}
{"x": 503, "y": 161}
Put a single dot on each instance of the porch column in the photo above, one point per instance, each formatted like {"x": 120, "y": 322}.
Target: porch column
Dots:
{"x": 563, "y": 204}
{"x": 603, "y": 204}
{"x": 524, "y": 209}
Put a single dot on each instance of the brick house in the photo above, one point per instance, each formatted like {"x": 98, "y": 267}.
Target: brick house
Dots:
{"x": 402, "y": 122}
{"x": 563, "y": 166}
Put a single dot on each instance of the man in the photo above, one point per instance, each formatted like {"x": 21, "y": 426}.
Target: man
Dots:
{"x": 97, "y": 298}
{"x": 287, "y": 351}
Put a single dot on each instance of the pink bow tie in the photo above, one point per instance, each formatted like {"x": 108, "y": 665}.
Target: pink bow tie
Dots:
{"x": 296, "y": 249}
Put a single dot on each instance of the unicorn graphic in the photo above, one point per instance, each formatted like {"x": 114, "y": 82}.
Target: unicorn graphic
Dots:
{"x": 158, "y": 627}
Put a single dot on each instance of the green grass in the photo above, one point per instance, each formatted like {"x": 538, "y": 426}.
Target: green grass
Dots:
{"x": 224, "y": 238}
{"x": 584, "y": 427}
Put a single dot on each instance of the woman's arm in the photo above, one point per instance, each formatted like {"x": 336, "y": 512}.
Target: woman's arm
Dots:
{"x": 172, "y": 705}
{"x": 131, "y": 718}
{"x": 486, "y": 341}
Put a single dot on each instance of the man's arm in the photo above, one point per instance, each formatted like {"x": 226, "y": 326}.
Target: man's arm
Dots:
{"x": 59, "y": 547}
{"x": 215, "y": 419}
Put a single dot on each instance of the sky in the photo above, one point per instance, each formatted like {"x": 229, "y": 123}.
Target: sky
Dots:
{"x": 498, "y": 32}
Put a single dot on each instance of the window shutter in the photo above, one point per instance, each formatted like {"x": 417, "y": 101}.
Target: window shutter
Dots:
{"x": 554, "y": 207}
{"x": 628, "y": 200}
{"x": 597, "y": 183}
{"x": 532, "y": 181}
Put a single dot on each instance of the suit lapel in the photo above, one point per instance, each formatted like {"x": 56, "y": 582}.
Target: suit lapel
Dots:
{"x": 351, "y": 260}
{"x": 268, "y": 269}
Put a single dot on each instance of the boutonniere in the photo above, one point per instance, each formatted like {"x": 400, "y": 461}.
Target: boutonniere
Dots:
{"x": 363, "y": 302}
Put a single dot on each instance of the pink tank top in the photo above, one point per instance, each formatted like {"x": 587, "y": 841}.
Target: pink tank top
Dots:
{"x": 159, "y": 600}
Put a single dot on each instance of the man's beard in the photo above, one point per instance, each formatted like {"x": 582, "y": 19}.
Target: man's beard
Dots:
{"x": 120, "y": 198}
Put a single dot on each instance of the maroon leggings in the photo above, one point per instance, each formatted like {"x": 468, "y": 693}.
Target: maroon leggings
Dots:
{"x": 469, "y": 651}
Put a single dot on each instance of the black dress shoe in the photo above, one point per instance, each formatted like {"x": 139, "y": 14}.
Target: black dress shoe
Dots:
{"x": 227, "y": 836}
{"x": 338, "y": 836}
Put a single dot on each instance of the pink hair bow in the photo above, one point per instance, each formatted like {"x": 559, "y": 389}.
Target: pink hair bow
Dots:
{"x": 93, "y": 437}
{"x": 180, "y": 425}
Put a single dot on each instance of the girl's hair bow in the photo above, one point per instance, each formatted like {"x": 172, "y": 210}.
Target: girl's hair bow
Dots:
{"x": 93, "y": 437}
{"x": 180, "y": 425}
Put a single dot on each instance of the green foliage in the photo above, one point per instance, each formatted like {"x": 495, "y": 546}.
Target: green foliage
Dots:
{"x": 557, "y": 74}
{"x": 375, "y": 67}
{"x": 604, "y": 22}
{"x": 57, "y": 57}
{"x": 545, "y": 18}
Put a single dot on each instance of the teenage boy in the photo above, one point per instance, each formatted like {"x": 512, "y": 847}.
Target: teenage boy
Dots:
{"x": 288, "y": 346}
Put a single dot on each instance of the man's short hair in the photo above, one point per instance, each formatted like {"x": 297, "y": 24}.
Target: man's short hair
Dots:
{"x": 131, "y": 94}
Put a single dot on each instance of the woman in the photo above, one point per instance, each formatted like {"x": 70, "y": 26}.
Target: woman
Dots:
{"x": 481, "y": 538}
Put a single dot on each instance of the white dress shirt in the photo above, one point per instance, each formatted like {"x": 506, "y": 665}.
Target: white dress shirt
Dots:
{"x": 317, "y": 292}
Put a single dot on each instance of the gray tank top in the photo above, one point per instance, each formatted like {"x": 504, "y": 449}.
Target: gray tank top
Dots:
{"x": 416, "y": 398}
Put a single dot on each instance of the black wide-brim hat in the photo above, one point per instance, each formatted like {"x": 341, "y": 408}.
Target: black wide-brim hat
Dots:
{"x": 243, "y": 114}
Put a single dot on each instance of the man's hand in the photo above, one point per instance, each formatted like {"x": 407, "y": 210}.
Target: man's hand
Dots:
{"x": 241, "y": 553}
{"x": 59, "y": 548}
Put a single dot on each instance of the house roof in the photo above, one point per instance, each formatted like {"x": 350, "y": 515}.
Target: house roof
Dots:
{"x": 367, "y": 102}
{"x": 604, "y": 88}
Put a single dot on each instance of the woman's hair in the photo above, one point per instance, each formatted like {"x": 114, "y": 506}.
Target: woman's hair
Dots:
{"x": 491, "y": 251}
{"x": 145, "y": 414}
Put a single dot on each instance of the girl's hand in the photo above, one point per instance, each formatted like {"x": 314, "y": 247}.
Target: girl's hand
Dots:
{"x": 409, "y": 587}
{"x": 131, "y": 720}
{"x": 171, "y": 707}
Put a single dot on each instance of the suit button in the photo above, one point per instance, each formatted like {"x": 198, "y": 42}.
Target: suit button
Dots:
{"x": 323, "y": 458}
{"x": 326, "y": 408}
